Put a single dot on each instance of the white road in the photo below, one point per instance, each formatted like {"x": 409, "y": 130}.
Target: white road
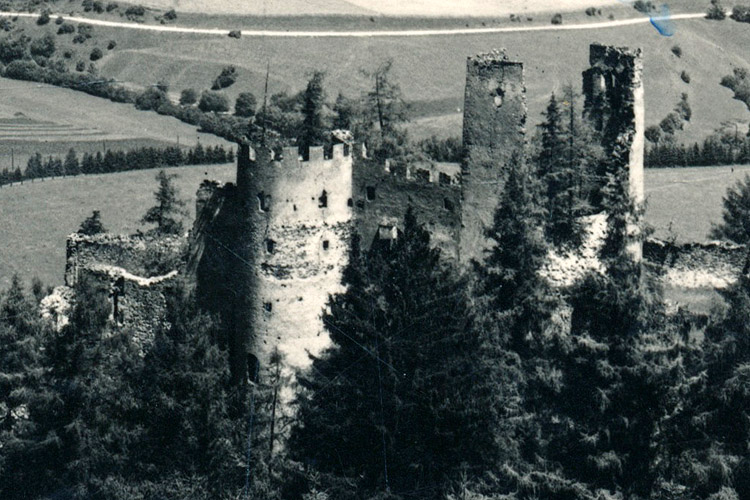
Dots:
{"x": 363, "y": 33}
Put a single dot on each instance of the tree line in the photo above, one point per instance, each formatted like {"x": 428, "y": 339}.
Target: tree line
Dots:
{"x": 111, "y": 161}
{"x": 717, "y": 149}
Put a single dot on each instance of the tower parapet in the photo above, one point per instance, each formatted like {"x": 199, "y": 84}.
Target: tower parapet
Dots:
{"x": 494, "y": 136}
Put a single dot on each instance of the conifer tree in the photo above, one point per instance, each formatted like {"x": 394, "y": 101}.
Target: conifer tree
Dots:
{"x": 168, "y": 211}
{"x": 312, "y": 131}
{"x": 386, "y": 411}
{"x": 92, "y": 224}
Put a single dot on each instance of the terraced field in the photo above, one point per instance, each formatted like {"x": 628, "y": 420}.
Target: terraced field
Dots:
{"x": 50, "y": 120}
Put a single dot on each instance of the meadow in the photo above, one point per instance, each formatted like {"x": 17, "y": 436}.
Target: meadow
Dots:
{"x": 50, "y": 120}
{"x": 430, "y": 70}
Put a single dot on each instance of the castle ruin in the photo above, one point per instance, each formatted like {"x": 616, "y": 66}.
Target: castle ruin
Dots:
{"x": 267, "y": 251}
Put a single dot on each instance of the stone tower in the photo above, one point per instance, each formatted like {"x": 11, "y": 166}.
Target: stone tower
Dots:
{"x": 301, "y": 214}
{"x": 493, "y": 137}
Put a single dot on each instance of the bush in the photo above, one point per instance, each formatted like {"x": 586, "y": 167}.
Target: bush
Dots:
{"x": 68, "y": 54}
{"x": 65, "y": 29}
{"x": 685, "y": 76}
{"x": 716, "y": 11}
{"x": 557, "y": 19}
{"x": 87, "y": 5}
{"x": 677, "y": 50}
{"x": 135, "y": 12}
{"x": 80, "y": 66}
{"x": 245, "y": 105}
{"x": 44, "y": 46}
{"x": 644, "y": 7}
{"x": 235, "y": 34}
{"x": 225, "y": 79}
{"x": 151, "y": 99}
{"x": 12, "y": 49}
{"x": 213, "y": 101}
{"x": 112, "y": 6}
{"x": 736, "y": 214}
{"x": 111, "y": 45}
{"x": 671, "y": 123}
{"x": 188, "y": 97}
{"x": 98, "y": 7}
{"x": 591, "y": 11}
{"x": 170, "y": 15}
{"x": 741, "y": 13}
{"x": 59, "y": 20}
{"x": 653, "y": 134}
{"x": 43, "y": 18}
{"x": 96, "y": 54}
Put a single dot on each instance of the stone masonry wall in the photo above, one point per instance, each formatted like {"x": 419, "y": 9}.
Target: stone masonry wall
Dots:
{"x": 493, "y": 137}
{"x": 383, "y": 193}
{"x": 301, "y": 218}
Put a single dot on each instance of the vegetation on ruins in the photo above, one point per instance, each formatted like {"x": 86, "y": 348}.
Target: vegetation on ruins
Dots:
{"x": 92, "y": 224}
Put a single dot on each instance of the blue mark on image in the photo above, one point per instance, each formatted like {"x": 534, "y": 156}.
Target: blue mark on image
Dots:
{"x": 663, "y": 22}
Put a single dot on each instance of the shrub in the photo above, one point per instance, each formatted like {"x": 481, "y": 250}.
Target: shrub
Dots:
{"x": 112, "y": 6}
{"x": 245, "y": 105}
{"x": 86, "y": 30}
{"x": 235, "y": 34}
{"x": 151, "y": 98}
{"x": 44, "y": 46}
{"x": 188, "y": 97}
{"x": 170, "y": 15}
{"x": 225, "y": 79}
{"x": 741, "y": 13}
{"x": 98, "y": 7}
{"x": 59, "y": 20}
{"x": 87, "y": 5}
{"x": 644, "y": 7}
{"x": 43, "y": 18}
{"x": 677, "y": 50}
{"x": 80, "y": 66}
{"x": 68, "y": 54}
{"x": 736, "y": 214}
{"x": 671, "y": 123}
{"x": 716, "y": 11}
{"x": 65, "y": 29}
{"x": 111, "y": 45}
{"x": 79, "y": 38}
{"x": 591, "y": 11}
{"x": 12, "y": 49}
{"x": 213, "y": 101}
{"x": 96, "y": 54}
{"x": 685, "y": 76}
{"x": 557, "y": 19}
{"x": 653, "y": 134}
{"x": 135, "y": 11}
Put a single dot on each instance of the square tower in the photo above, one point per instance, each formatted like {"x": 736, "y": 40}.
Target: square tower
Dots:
{"x": 493, "y": 136}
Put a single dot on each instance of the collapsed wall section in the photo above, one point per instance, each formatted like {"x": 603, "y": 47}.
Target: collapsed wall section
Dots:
{"x": 494, "y": 138}
{"x": 383, "y": 193}
{"x": 300, "y": 213}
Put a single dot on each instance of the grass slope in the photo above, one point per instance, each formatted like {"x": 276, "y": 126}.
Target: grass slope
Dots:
{"x": 432, "y": 69}
{"x": 51, "y": 120}
{"x": 35, "y": 218}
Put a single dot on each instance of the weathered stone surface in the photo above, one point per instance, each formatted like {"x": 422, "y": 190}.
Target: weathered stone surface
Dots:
{"x": 494, "y": 136}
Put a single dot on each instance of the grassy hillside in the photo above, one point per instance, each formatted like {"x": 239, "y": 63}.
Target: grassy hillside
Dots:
{"x": 432, "y": 68}
{"x": 37, "y": 217}
{"x": 51, "y": 120}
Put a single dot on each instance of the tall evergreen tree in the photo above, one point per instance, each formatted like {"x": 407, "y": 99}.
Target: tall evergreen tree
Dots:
{"x": 386, "y": 411}
{"x": 312, "y": 132}
{"x": 168, "y": 211}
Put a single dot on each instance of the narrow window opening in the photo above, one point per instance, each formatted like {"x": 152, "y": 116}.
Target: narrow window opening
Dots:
{"x": 323, "y": 200}
{"x": 264, "y": 201}
{"x": 326, "y": 244}
{"x": 268, "y": 306}
{"x": 370, "y": 193}
{"x": 253, "y": 368}
{"x": 349, "y": 202}
{"x": 270, "y": 245}
{"x": 448, "y": 204}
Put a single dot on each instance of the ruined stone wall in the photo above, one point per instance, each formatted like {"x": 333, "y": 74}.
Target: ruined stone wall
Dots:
{"x": 713, "y": 264}
{"x": 493, "y": 136}
{"x": 613, "y": 101}
{"x": 301, "y": 215}
{"x": 382, "y": 194}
